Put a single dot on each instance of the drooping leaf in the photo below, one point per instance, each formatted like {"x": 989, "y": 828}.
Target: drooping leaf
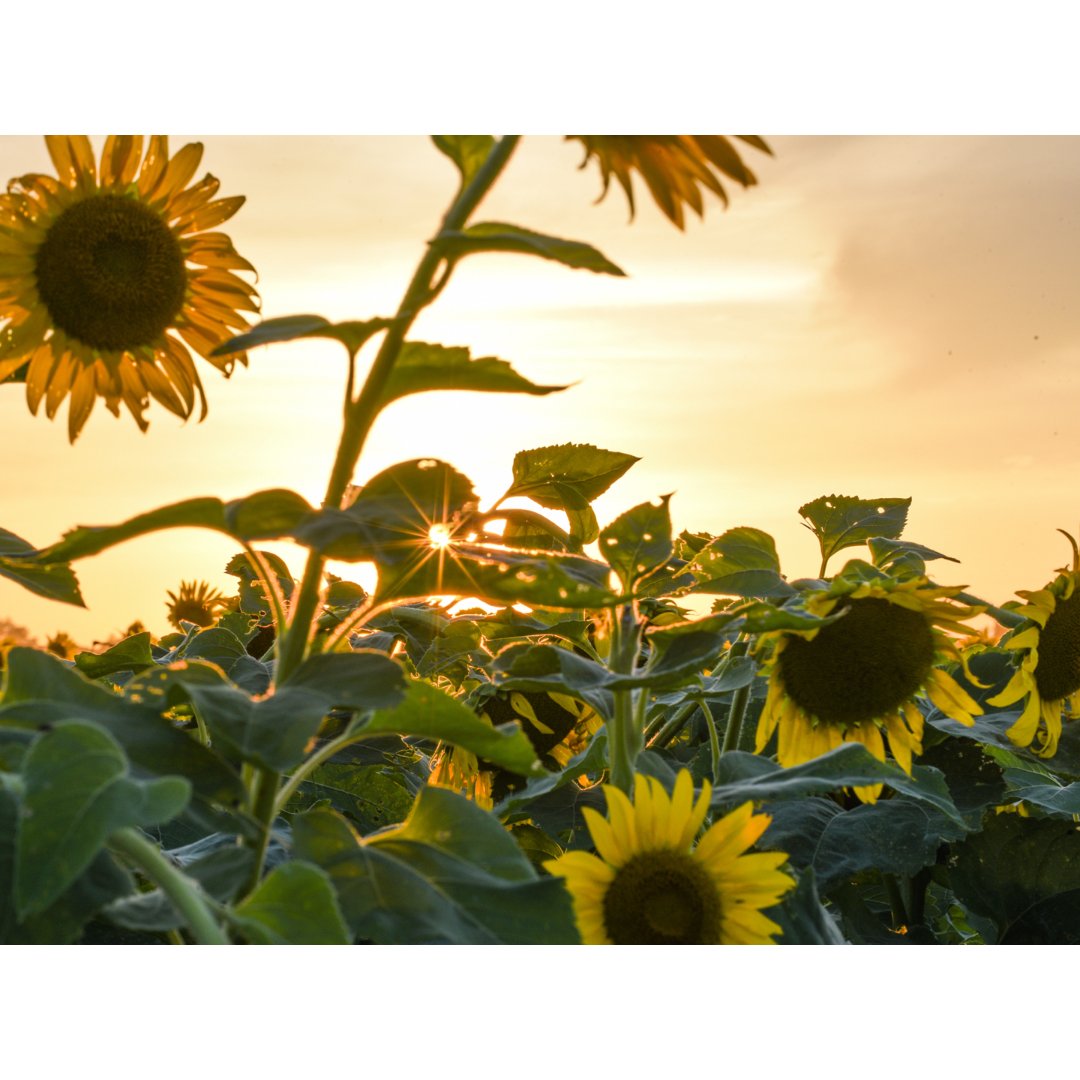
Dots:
{"x": 638, "y": 543}
{"x": 295, "y": 904}
{"x": 467, "y": 152}
{"x": 741, "y": 562}
{"x": 842, "y": 521}
{"x": 56, "y": 581}
{"x": 421, "y": 367}
{"x": 265, "y": 515}
{"x": 351, "y": 334}
{"x": 429, "y": 713}
{"x": 500, "y": 236}
{"x": 1056, "y": 798}
{"x": 568, "y": 476}
{"x": 886, "y": 552}
{"x": 77, "y": 792}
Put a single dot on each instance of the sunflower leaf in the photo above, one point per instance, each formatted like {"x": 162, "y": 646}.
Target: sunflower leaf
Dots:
{"x": 294, "y": 905}
{"x": 741, "y": 562}
{"x": 429, "y": 713}
{"x": 78, "y": 792}
{"x": 352, "y": 334}
{"x": 131, "y": 654}
{"x": 467, "y": 152}
{"x": 421, "y": 367}
{"x": 55, "y": 581}
{"x": 569, "y": 476}
{"x": 638, "y": 543}
{"x": 499, "y": 236}
{"x": 842, "y": 521}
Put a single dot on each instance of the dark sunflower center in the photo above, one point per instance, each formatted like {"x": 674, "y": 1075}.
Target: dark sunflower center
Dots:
{"x": 1057, "y": 675}
{"x": 662, "y": 898}
{"x": 111, "y": 273}
{"x": 861, "y": 667}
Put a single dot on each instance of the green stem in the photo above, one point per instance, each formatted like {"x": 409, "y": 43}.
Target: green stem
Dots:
{"x": 626, "y": 738}
{"x": 264, "y": 808}
{"x": 361, "y": 414}
{"x": 896, "y": 901}
{"x": 359, "y": 417}
{"x": 669, "y": 729}
{"x": 739, "y": 701}
{"x": 185, "y": 894}
{"x": 714, "y": 740}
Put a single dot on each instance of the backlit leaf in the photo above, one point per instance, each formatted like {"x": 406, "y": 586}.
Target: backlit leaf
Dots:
{"x": 568, "y": 476}
{"x": 500, "y": 236}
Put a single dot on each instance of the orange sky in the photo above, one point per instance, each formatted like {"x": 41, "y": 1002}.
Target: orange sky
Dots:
{"x": 882, "y": 316}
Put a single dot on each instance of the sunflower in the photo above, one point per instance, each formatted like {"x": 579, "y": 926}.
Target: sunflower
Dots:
{"x": 854, "y": 679}
{"x": 674, "y": 167}
{"x": 651, "y": 885}
{"x": 99, "y": 267}
{"x": 196, "y": 603}
{"x": 1049, "y": 671}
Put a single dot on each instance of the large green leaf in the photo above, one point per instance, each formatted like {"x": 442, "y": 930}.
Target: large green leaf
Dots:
{"x": 61, "y": 922}
{"x": 500, "y": 236}
{"x": 1024, "y": 873}
{"x": 56, "y": 581}
{"x": 501, "y": 575}
{"x": 1058, "y": 799}
{"x": 895, "y": 836}
{"x": 638, "y": 543}
{"x": 421, "y": 367}
{"x": 429, "y": 713}
{"x": 429, "y": 887}
{"x": 741, "y": 562}
{"x": 41, "y": 690}
{"x": 569, "y": 476}
{"x": 292, "y": 327}
{"x": 371, "y": 796}
{"x": 467, "y": 152}
{"x": 294, "y": 905}
{"x": 77, "y": 792}
{"x": 748, "y": 776}
{"x": 389, "y": 521}
{"x": 842, "y": 521}
{"x": 275, "y": 730}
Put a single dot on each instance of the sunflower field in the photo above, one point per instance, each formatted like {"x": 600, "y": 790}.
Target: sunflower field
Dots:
{"x": 537, "y": 727}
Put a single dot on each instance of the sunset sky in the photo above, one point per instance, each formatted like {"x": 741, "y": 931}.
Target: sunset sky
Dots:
{"x": 881, "y": 316}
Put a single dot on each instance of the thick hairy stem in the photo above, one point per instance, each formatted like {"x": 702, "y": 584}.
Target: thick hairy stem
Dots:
{"x": 625, "y": 735}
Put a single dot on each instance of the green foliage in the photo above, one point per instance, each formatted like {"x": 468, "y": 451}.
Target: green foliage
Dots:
{"x": 467, "y": 152}
{"x": 842, "y": 521}
{"x": 498, "y": 236}
{"x": 58, "y": 837}
{"x": 55, "y": 581}
{"x": 422, "y": 367}
{"x": 742, "y": 562}
{"x": 638, "y": 543}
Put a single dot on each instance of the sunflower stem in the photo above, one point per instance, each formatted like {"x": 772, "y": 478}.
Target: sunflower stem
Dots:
{"x": 627, "y": 737}
{"x": 359, "y": 416}
{"x": 739, "y": 700}
{"x": 896, "y": 901}
{"x": 185, "y": 894}
{"x": 673, "y": 725}
{"x": 714, "y": 740}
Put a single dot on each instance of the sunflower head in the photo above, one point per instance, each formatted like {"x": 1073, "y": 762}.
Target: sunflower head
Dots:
{"x": 61, "y": 644}
{"x": 108, "y": 276}
{"x": 650, "y": 884}
{"x": 855, "y": 679}
{"x": 675, "y": 168}
{"x": 1047, "y": 646}
{"x": 195, "y": 602}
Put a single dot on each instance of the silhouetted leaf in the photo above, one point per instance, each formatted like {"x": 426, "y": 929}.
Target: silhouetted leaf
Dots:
{"x": 291, "y": 327}
{"x": 569, "y": 476}
{"x": 500, "y": 236}
{"x": 56, "y": 581}
{"x": 741, "y": 562}
{"x": 467, "y": 152}
{"x": 638, "y": 543}
{"x": 841, "y": 521}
